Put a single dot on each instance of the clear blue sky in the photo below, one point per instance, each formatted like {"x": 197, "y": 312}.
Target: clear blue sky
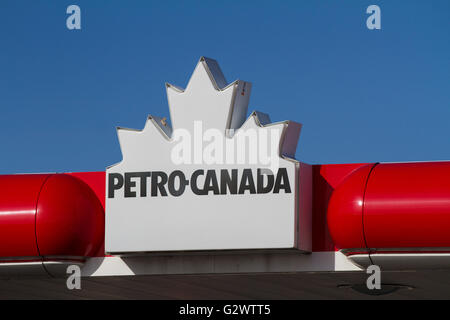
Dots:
{"x": 362, "y": 96}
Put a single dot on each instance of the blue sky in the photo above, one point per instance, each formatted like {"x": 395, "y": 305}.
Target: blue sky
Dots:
{"x": 362, "y": 95}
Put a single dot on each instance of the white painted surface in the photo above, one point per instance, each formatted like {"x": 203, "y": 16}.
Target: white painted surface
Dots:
{"x": 214, "y": 222}
{"x": 218, "y": 264}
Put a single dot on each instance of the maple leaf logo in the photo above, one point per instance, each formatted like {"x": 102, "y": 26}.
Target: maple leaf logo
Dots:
{"x": 210, "y": 100}
{"x": 148, "y": 192}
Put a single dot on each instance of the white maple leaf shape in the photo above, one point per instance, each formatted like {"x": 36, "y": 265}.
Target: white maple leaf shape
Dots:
{"x": 209, "y": 99}
{"x": 192, "y": 222}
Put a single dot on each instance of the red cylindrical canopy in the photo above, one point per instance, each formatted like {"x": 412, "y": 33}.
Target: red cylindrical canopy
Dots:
{"x": 48, "y": 216}
{"x": 393, "y": 206}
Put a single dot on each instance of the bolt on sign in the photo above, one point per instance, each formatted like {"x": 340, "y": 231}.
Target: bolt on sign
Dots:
{"x": 208, "y": 179}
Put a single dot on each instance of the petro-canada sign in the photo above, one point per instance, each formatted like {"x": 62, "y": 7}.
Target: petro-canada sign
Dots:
{"x": 214, "y": 180}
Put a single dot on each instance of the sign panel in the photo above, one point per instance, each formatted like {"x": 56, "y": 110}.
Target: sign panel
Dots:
{"x": 212, "y": 180}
